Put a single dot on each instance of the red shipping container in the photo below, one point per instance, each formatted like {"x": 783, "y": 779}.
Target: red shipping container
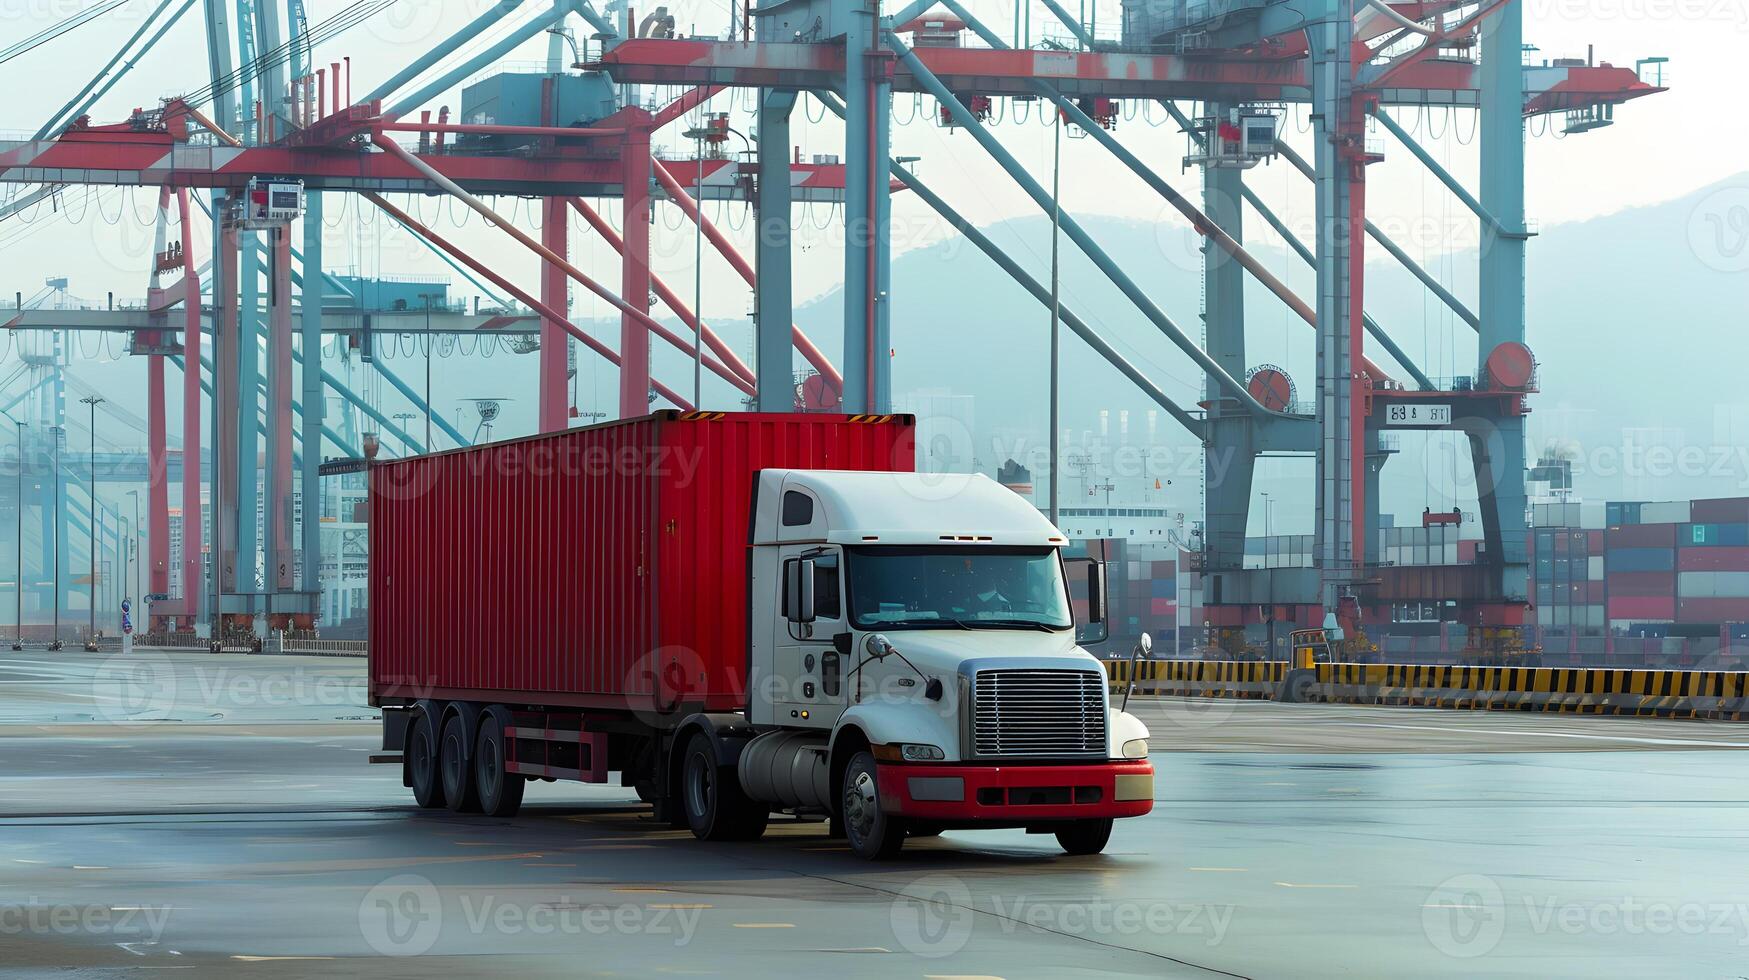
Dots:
{"x": 1594, "y": 542}
{"x": 1712, "y": 611}
{"x": 1160, "y": 607}
{"x": 1643, "y": 536}
{"x": 1467, "y": 552}
{"x": 1642, "y": 607}
{"x": 1731, "y": 510}
{"x": 1719, "y": 559}
{"x": 577, "y": 568}
{"x": 1641, "y": 584}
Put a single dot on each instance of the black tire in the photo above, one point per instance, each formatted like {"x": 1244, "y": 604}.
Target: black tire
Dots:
{"x": 873, "y": 834}
{"x": 1085, "y": 836}
{"x": 422, "y": 772}
{"x": 500, "y": 791}
{"x": 711, "y": 797}
{"x": 459, "y": 792}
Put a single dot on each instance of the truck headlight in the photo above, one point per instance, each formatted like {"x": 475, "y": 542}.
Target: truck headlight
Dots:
{"x": 1135, "y": 748}
{"x": 921, "y": 753}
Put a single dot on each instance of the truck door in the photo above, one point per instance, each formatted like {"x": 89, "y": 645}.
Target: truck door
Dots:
{"x": 809, "y": 669}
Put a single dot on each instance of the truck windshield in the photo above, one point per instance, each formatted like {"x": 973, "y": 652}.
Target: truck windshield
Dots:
{"x": 961, "y": 587}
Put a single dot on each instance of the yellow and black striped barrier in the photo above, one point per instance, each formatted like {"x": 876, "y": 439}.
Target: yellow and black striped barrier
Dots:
{"x": 1201, "y": 678}
{"x": 1720, "y": 695}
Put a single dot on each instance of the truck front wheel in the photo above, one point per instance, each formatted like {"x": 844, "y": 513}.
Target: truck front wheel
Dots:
{"x": 1085, "y": 836}
{"x": 716, "y": 807}
{"x": 873, "y": 834}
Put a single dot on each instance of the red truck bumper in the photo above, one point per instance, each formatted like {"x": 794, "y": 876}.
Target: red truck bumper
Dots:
{"x": 1017, "y": 794}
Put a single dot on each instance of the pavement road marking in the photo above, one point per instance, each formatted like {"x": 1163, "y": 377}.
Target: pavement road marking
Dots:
{"x": 1637, "y": 740}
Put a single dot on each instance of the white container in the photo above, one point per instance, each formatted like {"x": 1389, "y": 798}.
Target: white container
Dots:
{"x": 1594, "y": 568}
{"x": 1670, "y": 512}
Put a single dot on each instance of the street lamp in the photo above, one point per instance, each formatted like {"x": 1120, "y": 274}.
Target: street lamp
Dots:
{"x": 697, "y": 135}
{"x": 428, "y": 297}
{"x": 56, "y": 432}
{"x": 135, "y": 535}
{"x": 404, "y": 418}
{"x": 96, "y": 516}
{"x": 18, "y": 597}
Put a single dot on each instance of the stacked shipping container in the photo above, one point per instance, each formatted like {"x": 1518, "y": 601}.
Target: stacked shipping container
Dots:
{"x": 1657, "y": 564}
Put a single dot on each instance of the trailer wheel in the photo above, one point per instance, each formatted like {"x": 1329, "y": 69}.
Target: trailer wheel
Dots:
{"x": 716, "y": 808}
{"x": 873, "y": 834}
{"x": 422, "y": 771}
{"x": 500, "y": 791}
{"x": 459, "y": 791}
{"x": 1085, "y": 836}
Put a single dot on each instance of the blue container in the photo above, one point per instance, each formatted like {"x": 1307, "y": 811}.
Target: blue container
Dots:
{"x": 1713, "y": 535}
{"x": 1618, "y": 513}
{"x": 1640, "y": 560}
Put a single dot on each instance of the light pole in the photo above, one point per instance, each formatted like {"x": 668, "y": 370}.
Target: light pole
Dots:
{"x": 96, "y": 518}
{"x": 56, "y": 432}
{"x": 403, "y": 418}
{"x": 428, "y": 297}
{"x": 135, "y": 532}
{"x": 698, "y": 133}
{"x": 18, "y": 597}
{"x": 1056, "y": 309}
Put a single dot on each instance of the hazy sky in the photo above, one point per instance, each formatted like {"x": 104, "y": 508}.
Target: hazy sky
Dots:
{"x": 1660, "y": 148}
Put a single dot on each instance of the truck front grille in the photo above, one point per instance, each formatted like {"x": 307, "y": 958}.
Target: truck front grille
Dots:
{"x": 1042, "y": 714}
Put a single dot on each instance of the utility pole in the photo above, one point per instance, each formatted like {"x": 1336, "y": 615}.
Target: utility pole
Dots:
{"x": 56, "y": 432}
{"x": 403, "y": 418}
{"x": 96, "y": 518}
{"x": 18, "y": 591}
{"x": 698, "y": 133}
{"x": 1056, "y": 309}
{"x": 428, "y": 297}
{"x": 134, "y": 530}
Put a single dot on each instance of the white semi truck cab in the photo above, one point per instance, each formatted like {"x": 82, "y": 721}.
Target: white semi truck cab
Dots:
{"x": 913, "y": 667}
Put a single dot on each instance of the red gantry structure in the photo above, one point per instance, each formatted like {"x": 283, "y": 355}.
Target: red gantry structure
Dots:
{"x": 586, "y": 128}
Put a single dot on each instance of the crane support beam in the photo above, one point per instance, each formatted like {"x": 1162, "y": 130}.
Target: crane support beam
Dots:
{"x": 1110, "y": 74}
{"x": 671, "y": 185}
{"x": 1385, "y": 241}
{"x": 627, "y": 311}
{"x": 1396, "y": 129}
{"x": 1199, "y": 221}
{"x": 607, "y": 353}
{"x": 1134, "y": 292}
{"x": 1038, "y": 290}
{"x": 731, "y": 368}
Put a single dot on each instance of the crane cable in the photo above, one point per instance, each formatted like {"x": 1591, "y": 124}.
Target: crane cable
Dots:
{"x": 78, "y": 20}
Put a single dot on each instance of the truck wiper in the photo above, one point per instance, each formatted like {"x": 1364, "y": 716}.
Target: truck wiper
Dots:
{"x": 1005, "y": 624}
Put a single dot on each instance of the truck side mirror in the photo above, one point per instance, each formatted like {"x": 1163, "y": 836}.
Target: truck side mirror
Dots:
{"x": 1095, "y": 630}
{"x": 798, "y": 590}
